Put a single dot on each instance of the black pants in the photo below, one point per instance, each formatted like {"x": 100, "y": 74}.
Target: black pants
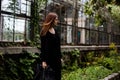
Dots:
{"x": 56, "y": 66}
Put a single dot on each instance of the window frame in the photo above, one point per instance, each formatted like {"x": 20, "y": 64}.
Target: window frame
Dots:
{"x": 17, "y": 15}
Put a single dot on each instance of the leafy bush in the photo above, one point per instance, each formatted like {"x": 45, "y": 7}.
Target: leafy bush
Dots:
{"x": 89, "y": 73}
{"x": 97, "y": 65}
{"x": 71, "y": 60}
{"x": 14, "y": 67}
{"x": 108, "y": 63}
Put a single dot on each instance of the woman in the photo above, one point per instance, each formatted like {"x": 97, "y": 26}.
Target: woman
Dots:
{"x": 50, "y": 45}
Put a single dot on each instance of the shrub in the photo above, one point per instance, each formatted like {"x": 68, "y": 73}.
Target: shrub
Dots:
{"x": 89, "y": 73}
{"x": 14, "y": 67}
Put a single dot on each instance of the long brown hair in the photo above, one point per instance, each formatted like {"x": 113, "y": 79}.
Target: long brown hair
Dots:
{"x": 48, "y": 23}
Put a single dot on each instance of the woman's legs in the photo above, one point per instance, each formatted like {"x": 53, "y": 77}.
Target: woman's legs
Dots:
{"x": 56, "y": 66}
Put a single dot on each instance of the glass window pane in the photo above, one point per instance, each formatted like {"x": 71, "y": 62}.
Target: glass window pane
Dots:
{"x": 63, "y": 34}
{"x": 103, "y": 38}
{"x": 69, "y": 34}
{"x": 93, "y": 37}
{"x": 78, "y": 37}
{"x": 23, "y": 6}
{"x": 27, "y": 31}
{"x": 28, "y": 8}
{"x": 7, "y": 30}
{"x": 20, "y": 6}
{"x": 17, "y": 6}
{"x": 19, "y": 29}
{"x": 14, "y": 28}
{"x": 22, "y": 27}
{"x": 81, "y": 22}
{"x": 69, "y": 11}
{"x": 7, "y": 6}
{"x": 87, "y": 36}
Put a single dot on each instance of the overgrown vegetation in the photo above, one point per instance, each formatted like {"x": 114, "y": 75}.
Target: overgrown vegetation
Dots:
{"x": 103, "y": 11}
{"x": 95, "y": 65}
{"x": 18, "y": 67}
{"x": 89, "y": 73}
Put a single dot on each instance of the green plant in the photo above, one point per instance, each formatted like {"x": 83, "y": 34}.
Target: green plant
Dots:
{"x": 71, "y": 60}
{"x": 88, "y": 73}
{"x": 90, "y": 58}
{"x": 113, "y": 49}
{"x": 16, "y": 67}
{"x": 115, "y": 56}
{"x": 75, "y": 53}
{"x": 108, "y": 63}
{"x": 103, "y": 11}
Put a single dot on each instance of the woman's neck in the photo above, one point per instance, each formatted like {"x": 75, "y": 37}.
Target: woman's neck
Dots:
{"x": 52, "y": 30}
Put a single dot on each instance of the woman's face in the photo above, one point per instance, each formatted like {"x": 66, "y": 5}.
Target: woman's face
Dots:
{"x": 56, "y": 21}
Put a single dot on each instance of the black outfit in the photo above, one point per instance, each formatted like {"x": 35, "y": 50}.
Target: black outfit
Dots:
{"x": 51, "y": 53}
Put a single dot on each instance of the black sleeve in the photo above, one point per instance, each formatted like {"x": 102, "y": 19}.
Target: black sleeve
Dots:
{"x": 44, "y": 50}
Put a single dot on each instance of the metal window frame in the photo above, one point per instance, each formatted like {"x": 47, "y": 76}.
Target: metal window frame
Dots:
{"x": 26, "y": 17}
{"x": 98, "y": 31}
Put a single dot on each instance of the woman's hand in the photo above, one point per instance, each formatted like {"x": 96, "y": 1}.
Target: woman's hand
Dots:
{"x": 62, "y": 61}
{"x": 44, "y": 64}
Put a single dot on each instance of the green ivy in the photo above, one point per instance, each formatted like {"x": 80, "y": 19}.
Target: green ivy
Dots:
{"x": 19, "y": 67}
{"x": 71, "y": 60}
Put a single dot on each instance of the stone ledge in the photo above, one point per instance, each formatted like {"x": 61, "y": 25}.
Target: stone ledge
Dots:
{"x": 113, "y": 76}
{"x": 84, "y": 48}
{"x": 18, "y": 50}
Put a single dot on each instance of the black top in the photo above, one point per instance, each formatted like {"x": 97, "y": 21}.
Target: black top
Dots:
{"x": 50, "y": 47}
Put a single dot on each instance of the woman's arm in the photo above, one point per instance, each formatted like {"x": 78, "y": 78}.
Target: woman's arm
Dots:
{"x": 44, "y": 51}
